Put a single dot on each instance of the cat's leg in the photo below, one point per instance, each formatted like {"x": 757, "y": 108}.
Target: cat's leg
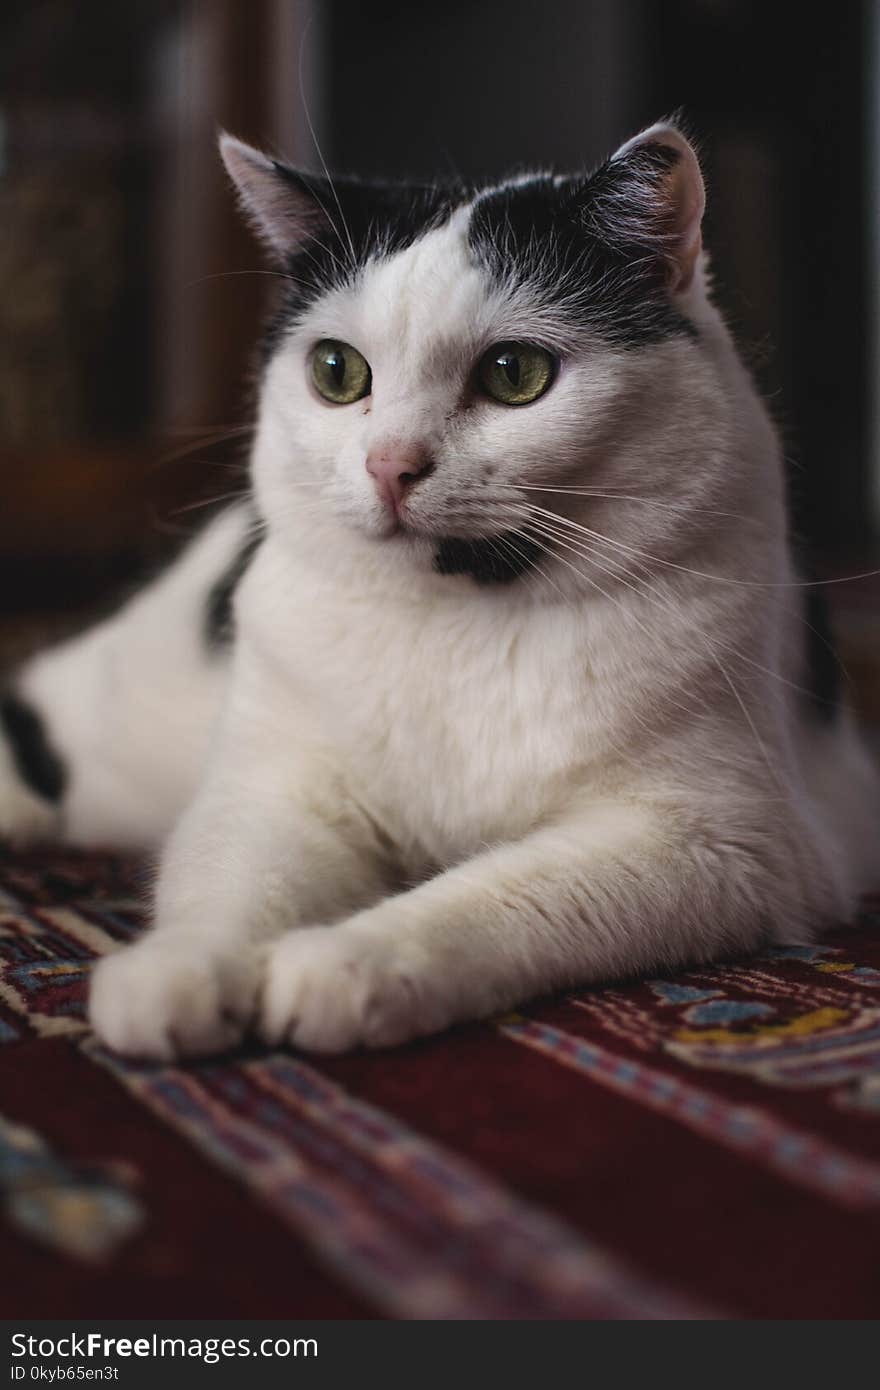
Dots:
{"x": 32, "y": 776}
{"x": 103, "y": 737}
{"x": 267, "y": 844}
{"x": 617, "y": 888}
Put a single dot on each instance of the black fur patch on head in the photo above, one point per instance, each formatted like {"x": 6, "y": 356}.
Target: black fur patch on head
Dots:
{"x": 219, "y": 616}
{"x": 36, "y": 761}
{"x": 361, "y": 221}
{"x": 593, "y": 247}
{"x": 823, "y": 673}
{"x": 489, "y": 560}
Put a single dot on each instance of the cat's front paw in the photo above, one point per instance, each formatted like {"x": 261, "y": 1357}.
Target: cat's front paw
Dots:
{"x": 167, "y": 997}
{"x": 330, "y": 989}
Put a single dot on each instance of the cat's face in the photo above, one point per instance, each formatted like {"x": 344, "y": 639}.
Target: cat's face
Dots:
{"x": 448, "y": 364}
{"x": 425, "y": 322}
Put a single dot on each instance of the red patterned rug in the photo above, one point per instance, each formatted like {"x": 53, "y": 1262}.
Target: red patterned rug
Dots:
{"x": 705, "y": 1145}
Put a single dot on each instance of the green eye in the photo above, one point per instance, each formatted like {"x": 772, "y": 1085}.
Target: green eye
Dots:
{"x": 341, "y": 375}
{"x": 516, "y": 373}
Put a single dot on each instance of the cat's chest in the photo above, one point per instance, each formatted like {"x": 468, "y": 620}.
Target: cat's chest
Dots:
{"x": 453, "y": 727}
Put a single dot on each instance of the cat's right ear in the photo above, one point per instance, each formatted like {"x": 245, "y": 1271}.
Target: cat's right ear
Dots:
{"x": 283, "y": 206}
{"x": 649, "y": 197}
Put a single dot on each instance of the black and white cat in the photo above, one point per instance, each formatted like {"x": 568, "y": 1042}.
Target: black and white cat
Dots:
{"x": 515, "y": 691}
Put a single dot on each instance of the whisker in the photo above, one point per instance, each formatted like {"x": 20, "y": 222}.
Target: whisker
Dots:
{"x": 594, "y": 584}
{"x": 237, "y": 496}
{"x": 304, "y": 250}
{"x": 507, "y": 541}
{"x": 652, "y": 597}
{"x": 308, "y": 116}
{"x": 680, "y": 508}
{"x": 620, "y": 572}
{"x": 702, "y": 574}
{"x": 207, "y": 440}
{"x": 202, "y": 429}
{"x": 723, "y": 643}
{"x": 794, "y": 585}
{"x": 622, "y": 577}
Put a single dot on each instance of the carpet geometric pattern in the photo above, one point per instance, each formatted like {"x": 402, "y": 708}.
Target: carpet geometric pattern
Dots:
{"x": 700, "y": 1145}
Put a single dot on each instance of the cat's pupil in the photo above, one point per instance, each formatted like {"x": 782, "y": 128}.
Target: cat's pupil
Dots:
{"x": 336, "y": 363}
{"x": 509, "y": 364}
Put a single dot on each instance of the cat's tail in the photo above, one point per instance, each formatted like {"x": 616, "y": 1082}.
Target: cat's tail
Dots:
{"x": 103, "y": 737}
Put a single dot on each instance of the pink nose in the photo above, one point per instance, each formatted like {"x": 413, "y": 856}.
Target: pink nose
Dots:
{"x": 395, "y": 470}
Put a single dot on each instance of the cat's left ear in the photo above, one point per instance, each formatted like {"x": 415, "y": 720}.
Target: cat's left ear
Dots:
{"x": 651, "y": 194}
{"x": 284, "y": 206}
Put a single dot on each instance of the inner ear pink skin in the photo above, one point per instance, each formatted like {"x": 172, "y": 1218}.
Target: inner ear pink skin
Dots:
{"x": 394, "y": 469}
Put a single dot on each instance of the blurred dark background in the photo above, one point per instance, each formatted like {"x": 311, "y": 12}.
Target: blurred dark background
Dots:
{"x": 127, "y": 325}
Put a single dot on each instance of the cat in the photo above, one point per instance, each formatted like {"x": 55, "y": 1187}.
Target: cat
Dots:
{"x": 499, "y": 683}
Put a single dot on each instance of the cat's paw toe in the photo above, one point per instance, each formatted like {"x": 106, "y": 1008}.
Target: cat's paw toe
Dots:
{"x": 162, "y": 999}
{"x": 330, "y": 989}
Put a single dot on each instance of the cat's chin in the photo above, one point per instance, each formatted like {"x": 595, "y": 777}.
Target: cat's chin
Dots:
{"x": 423, "y": 538}
{"x": 400, "y": 529}
{"x": 486, "y": 560}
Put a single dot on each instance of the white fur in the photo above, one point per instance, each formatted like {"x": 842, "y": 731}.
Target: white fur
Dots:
{"x": 131, "y": 702}
{"x": 462, "y": 796}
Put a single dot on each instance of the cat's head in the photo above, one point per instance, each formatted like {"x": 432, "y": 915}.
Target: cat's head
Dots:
{"x": 453, "y": 368}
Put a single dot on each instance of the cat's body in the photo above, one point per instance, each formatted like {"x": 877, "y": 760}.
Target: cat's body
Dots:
{"x": 460, "y": 750}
